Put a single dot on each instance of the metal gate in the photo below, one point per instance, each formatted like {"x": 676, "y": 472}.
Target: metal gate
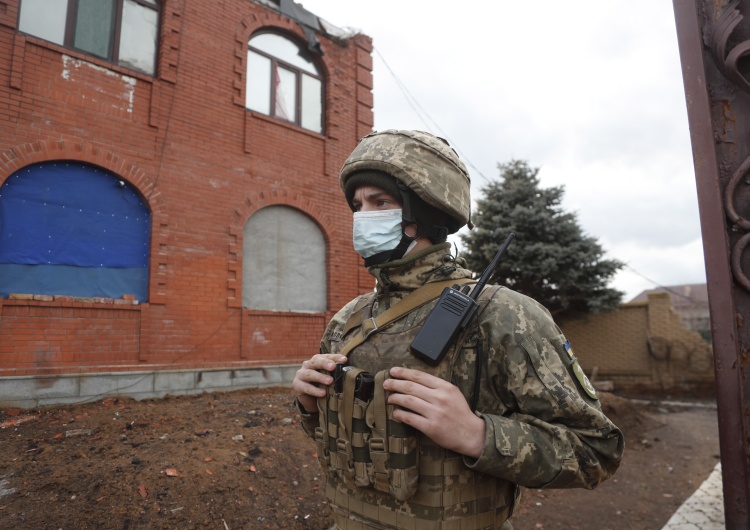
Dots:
{"x": 714, "y": 41}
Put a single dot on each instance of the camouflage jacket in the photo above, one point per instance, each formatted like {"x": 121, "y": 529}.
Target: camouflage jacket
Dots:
{"x": 544, "y": 424}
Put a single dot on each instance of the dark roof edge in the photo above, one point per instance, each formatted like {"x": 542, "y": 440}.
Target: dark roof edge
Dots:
{"x": 309, "y": 21}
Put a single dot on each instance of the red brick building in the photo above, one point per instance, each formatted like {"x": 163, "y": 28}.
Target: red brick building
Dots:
{"x": 220, "y": 127}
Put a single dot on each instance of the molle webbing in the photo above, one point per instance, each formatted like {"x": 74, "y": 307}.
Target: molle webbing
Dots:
{"x": 449, "y": 497}
{"x": 342, "y": 436}
{"x": 424, "y": 483}
{"x": 393, "y": 447}
{"x": 399, "y": 520}
{"x": 360, "y": 443}
{"x": 347, "y": 402}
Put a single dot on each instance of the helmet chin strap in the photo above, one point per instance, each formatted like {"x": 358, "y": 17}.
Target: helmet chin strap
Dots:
{"x": 392, "y": 255}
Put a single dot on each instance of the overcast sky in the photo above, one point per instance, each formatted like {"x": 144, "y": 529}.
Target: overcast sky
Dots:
{"x": 589, "y": 91}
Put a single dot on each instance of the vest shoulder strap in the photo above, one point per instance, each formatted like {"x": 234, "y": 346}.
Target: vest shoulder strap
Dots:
{"x": 415, "y": 299}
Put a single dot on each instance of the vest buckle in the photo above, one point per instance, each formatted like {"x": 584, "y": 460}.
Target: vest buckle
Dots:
{"x": 370, "y": 330}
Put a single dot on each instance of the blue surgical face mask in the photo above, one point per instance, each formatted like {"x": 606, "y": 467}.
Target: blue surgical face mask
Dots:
{"x": 376, "y": 231}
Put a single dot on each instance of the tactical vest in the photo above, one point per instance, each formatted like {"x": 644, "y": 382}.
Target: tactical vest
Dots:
{"x": 384, "y": 474}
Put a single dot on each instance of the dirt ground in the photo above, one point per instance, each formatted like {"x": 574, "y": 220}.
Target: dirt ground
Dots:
{"x": 240, "y": 460}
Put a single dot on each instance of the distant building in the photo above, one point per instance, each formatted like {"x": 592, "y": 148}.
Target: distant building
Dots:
{"x": 644, "y": 347}
{"x": 690, "y": 302}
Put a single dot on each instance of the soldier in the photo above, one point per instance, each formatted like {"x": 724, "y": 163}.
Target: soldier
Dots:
{"x": 405, "y": 444}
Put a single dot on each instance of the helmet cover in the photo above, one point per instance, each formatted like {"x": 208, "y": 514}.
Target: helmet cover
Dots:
{"x": 425, "y": 163}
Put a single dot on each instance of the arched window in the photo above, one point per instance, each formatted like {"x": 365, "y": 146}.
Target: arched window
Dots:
{"x": 284, "y": 82}
{"x": 123, "y": 32}
{"x": 283, "y": 262}
{"x": 71, "y": 229}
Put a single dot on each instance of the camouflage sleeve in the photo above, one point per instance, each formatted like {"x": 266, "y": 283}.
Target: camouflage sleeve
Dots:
{"x": 308, "y": 420}
{"x": 311, "y": 420}
{"x": 544, "y": 423}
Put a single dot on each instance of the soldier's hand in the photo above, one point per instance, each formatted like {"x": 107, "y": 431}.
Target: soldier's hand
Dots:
{"x": 436, "y": 408}
{"x": 312, "y": 378}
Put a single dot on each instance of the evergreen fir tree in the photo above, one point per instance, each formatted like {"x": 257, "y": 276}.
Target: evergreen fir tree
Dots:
{"x": 551, "y": 260}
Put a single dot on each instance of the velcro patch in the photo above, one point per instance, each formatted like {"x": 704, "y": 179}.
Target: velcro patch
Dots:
{"x": 580, "y": 375}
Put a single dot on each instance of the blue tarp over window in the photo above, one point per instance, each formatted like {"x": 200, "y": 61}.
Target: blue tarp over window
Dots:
{"x": 71, "y": 229}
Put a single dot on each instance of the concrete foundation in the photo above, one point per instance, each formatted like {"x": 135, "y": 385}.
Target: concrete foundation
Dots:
{"x": 40, "y": 391}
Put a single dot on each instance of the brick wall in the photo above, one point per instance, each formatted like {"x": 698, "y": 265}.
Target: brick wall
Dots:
{"x": 642, "y": 344}
{"x": 204, "y": 164}
{"x": 68, "y": 337}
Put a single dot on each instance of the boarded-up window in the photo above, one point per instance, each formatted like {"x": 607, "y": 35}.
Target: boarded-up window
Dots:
{"x": 71, "y": 229}
{"x": 284, "y": 262}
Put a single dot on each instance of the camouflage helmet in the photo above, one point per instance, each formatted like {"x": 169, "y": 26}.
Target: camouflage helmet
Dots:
{"x": 425, "y": 163}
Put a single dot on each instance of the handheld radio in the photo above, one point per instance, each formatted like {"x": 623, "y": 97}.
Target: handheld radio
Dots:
{"x": 452, "y": 313}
